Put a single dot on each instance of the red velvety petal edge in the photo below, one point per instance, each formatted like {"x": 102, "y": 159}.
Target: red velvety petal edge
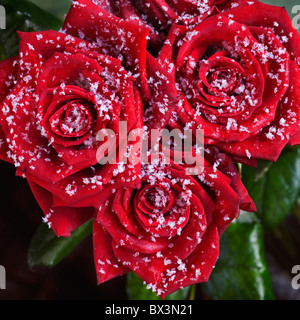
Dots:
{"x": 200, "y": 264}
{"x": 226, "y": 165}
{"x": 295, "y": 140}
{"x": 127, "y": 10}
{"x": 166, "y": 279}
{"x": 255, "y": 13}
{"x": 269, "y": 143}
{"x": 63, "y": 220}
{"x": 106, "y": 4}
{"x": 106, "y": 264}
{"x": 4, "y": 148}
{"x": 8, "y": 74}
{"x": 164, "y": 95}
{"x": 86, "y": 18}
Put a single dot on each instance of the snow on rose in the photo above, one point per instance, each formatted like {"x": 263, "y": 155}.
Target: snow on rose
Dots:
{"x": 229, "y": 69}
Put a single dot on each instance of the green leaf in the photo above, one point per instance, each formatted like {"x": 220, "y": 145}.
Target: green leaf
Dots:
{"x": 24, "y": 16}
{"x": 137, "y": 290}
{"x": 241, "y": 273}
{"x": 57, "y": 7}
{"x": 274, "y": 187}
{"x": 46, "y": 249}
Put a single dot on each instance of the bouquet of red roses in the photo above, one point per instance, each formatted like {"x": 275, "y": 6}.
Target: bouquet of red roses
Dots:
{"x": 144, "y": 117}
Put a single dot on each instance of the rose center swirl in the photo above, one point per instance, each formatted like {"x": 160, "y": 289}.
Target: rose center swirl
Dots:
{"x": 220, "y": 76}
{"x": 72, "y": 120}
{"x": 154, "y": 200}
{"x": 162, "y": 208}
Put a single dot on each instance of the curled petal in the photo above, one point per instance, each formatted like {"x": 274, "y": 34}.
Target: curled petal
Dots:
{"x": 106, "y": 264}
{"x": 63, "y": 220}
{"x": 132, "y": 43}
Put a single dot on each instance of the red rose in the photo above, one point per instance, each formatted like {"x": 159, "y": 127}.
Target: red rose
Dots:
{"x": 159, "y": 15}
{"x": 127, "y": 42}
{"x": 167, "y": 231}
{"x": 60, "y": 91}
{"x": 238, "y": 76}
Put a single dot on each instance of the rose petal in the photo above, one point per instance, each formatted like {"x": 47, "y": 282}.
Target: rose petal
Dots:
{"x": 61, "y": 219}
{"x": 143, "y": 243}
{"x": 165, "y": 277}
{"x": 198, "y": 266}
{"x": 256, "y": 13}
{"x": 295, "y": 140}
{"x": 164, "y": 95}
{"x": 269, "y": 143}
{"x": 4, "y": 148}
{"x": 8, "y": 75}
{"x": 132, "y": 43}
{"x": 106, "y": 264}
